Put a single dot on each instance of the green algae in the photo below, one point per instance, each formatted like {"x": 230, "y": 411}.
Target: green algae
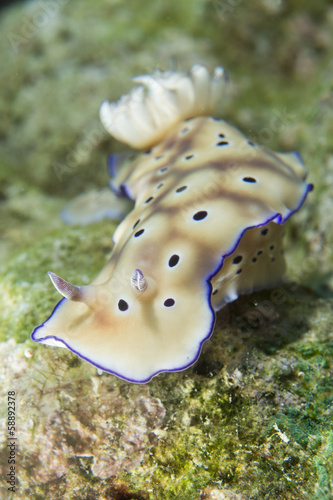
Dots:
{"x": 224, "y": 429}
{"x": 28, "y": 295}
{"x": 324, "y": 466}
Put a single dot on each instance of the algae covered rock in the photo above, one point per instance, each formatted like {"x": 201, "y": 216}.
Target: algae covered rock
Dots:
{"x": 69, "y": 415}
{"x": 253, "y": 418}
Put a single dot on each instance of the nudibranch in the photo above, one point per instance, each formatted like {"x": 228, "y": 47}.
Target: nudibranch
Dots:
{"x": 206, "y": 226}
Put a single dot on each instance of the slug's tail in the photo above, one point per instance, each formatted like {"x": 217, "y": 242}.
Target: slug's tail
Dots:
{"x": 143, "y": 117}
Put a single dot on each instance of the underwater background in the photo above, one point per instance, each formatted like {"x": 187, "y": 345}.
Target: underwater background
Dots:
{"x": 252, "y": 419}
